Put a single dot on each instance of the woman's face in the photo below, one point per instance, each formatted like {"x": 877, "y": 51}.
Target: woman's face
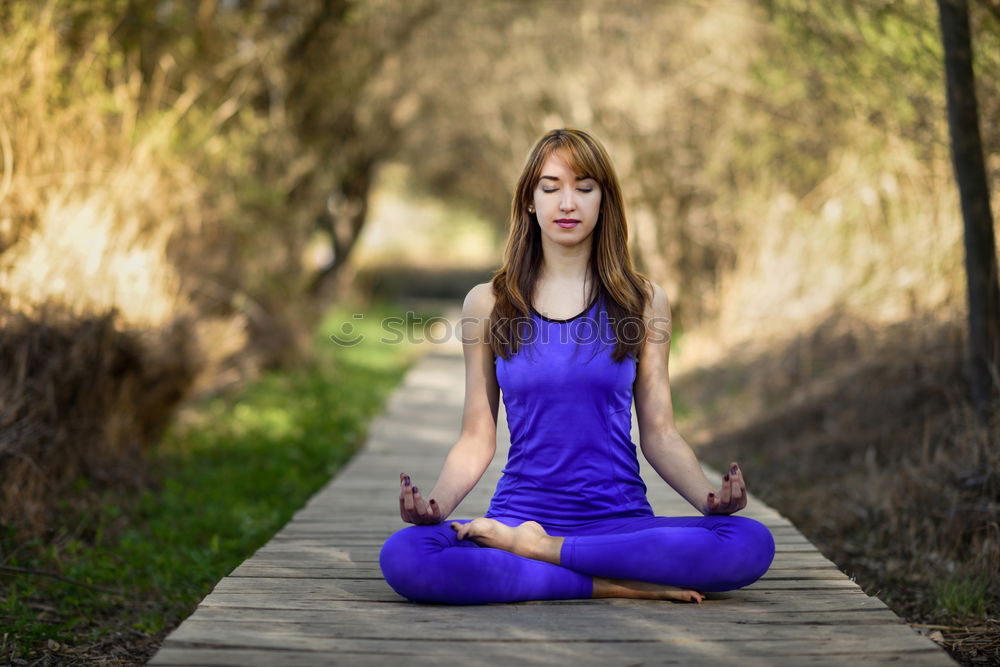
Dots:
{"x": 566, "y": 205}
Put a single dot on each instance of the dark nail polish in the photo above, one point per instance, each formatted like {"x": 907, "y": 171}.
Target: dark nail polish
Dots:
{"x": 406, "y": 481}
{"x": 416, "y": 490}
{"x": 726, "y": 477}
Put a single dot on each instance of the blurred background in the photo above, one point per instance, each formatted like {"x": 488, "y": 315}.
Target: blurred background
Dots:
{"x": 187, "y": 190}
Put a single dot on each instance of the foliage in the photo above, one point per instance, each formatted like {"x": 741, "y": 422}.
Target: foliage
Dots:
{"x": 82, "y": 398}
{"x": 230, "y": 474}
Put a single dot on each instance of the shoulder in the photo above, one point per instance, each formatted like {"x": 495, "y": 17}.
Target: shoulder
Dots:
{"x": 657, "y": 302}
{"x": 479, "y": 301}
{"x": 476, "y": 312}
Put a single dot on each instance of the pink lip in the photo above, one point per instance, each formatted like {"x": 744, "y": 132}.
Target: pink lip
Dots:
{"x": 567, "y": 223}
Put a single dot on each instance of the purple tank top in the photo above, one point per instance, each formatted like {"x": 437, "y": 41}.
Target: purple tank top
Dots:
{"x": 569, "y": 408}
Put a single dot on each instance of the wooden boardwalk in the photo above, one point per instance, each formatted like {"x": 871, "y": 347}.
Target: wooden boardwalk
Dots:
{"x": 314, "y": 595}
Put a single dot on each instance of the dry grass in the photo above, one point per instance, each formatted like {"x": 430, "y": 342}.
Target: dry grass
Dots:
{"x": 83, "y": 399}
{"x": 97, "y": 323}
{"x": 856, "y": 424}
{"x": 880, "y": 234}
{"x": 861, "y": 434}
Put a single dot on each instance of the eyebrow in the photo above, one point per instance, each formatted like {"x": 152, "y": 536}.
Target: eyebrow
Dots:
{"x": 555, "y": 178}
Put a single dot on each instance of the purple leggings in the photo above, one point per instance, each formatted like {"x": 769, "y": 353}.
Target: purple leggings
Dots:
{"x": 429, "y": 563}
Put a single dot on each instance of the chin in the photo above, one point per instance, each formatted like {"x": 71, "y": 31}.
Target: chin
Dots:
{"x": 572, "y": 241}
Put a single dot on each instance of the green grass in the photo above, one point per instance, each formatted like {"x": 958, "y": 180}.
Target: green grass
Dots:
{"x": 963, "y": 596}
{"x": 682, "y": 410}
{"x": 228, "y": 478}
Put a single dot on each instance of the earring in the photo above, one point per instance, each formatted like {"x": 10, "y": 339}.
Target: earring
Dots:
{"x": 531, "y": 209}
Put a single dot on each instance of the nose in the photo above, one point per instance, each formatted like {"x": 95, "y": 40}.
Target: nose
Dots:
{"x": 567, "y": 203}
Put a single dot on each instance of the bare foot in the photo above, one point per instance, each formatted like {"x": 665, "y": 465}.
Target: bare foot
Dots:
{"x": 642, "y": 590}
{"x": 528, "y": 539}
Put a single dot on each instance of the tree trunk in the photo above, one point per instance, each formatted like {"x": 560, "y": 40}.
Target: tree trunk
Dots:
{"x": 980, "y": 245}
{"x": 343, "y": 219}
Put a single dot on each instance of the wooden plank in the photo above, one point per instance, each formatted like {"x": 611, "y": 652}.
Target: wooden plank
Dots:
{"x": 783, "y": 545}
{"x": 754, "y": 639}
{"x": 313, "y": 533}
{"x": 567, "y": 624}
{"x": 376, "y": 654}
{"x": 315, "y": 557}
{"x": 726, "y": 610}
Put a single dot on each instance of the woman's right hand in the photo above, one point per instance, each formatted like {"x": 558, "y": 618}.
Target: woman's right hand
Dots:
{"x": 412, "y": 506}
{"x": 733, "y": 496}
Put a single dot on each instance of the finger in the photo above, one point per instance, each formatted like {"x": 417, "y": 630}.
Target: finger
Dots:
{"x": 727, "y": 491}
{"x": 742, "y": 481}
{"x": 739, "y": 487}
{"x": 419, "y": 504}
{"x": 713, "y": 502}
{"x": 435, "y": 509}
{"x": 408, "y": 501}
{"x": 736, "y": 486}
{"x": 407, "y": 495}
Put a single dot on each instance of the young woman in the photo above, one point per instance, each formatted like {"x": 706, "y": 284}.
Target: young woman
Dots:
{"x": 570, "y": 332}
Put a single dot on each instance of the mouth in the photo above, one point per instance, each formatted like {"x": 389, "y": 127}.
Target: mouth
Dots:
{"x": 567, "y": 223}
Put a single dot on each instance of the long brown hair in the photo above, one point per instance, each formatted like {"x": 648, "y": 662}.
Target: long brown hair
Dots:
{"x": 616, "y": 282}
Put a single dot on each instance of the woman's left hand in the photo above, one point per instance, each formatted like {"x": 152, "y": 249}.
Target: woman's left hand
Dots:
{"x": 733, "y": 495}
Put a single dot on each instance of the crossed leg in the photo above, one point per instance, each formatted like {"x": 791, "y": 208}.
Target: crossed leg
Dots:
{"x": 531, "y": 541}
{"x": 507, "y": 560}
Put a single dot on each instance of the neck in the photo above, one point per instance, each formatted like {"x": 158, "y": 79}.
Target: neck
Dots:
{"x": 565, "y": 265}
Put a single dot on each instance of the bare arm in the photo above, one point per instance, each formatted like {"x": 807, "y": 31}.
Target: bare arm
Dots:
{"x": 471, "y": 454}
{"x": 661, "y": 443}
